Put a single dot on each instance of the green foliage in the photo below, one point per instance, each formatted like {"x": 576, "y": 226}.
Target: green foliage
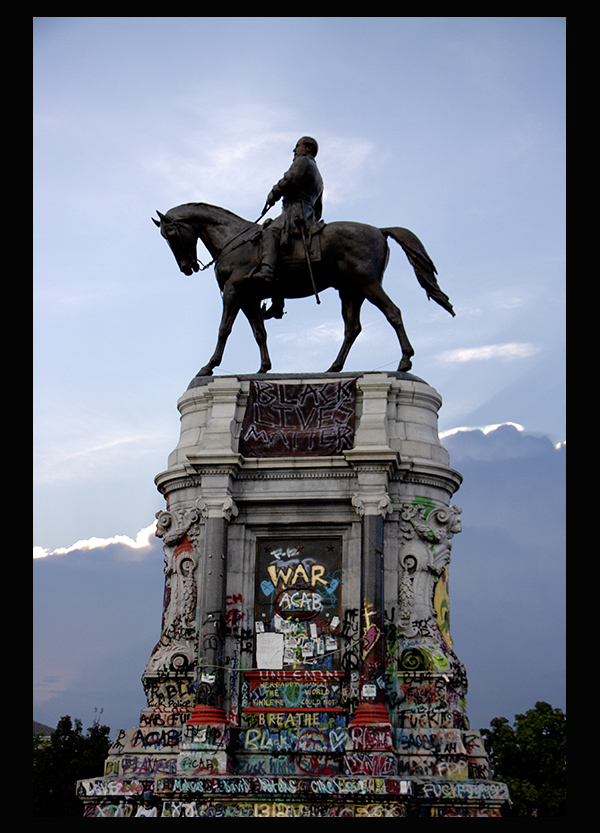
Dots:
{"x": 58, "y": 763}
{"x": 531, "y": 758}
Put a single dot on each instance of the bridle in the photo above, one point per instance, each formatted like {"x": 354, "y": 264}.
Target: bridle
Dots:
{"x": 175, "y": 225}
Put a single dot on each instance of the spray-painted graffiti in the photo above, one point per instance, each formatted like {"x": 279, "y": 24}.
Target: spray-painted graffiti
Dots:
{"x": 198, "y": 763}
{"x": 133, "y": 766}
{"x": 441, "y": 742}
{"x": 371, "y": 764}
{"x": 298, "y": 602}
{"x": 371, "y": 632}
{"x": 141, "y": 740}
{"x": 306, "y": 740}
{"x": 371, "y": 737}
{"x": 119, "y": 810}
{"x": 162, "y": 716}
{"x": 98, "y": 787}
{"x": 495, "y": 791}
{"x": 292, "y": 694}
{"x": 205, "y": 736}
{"x": 169, "y": 692}
{"x": 279, "y": 810}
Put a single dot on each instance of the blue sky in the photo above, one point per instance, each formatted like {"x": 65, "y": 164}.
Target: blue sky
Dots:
{"x": 451, "y": 127}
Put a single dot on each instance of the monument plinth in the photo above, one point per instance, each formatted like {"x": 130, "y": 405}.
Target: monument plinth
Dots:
{"x": 305, "y": 665}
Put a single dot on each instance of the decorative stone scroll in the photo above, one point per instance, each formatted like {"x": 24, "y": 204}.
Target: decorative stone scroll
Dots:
{"x": 300, "y": 420}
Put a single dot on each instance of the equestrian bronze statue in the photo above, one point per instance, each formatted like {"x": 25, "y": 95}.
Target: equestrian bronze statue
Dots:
{"x": 295, "y": 256}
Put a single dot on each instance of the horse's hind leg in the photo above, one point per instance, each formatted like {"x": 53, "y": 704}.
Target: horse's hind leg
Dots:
{"x": 254, "y": 315}
{"x": 376, "y": 295}
{"x": 351, "y": 304}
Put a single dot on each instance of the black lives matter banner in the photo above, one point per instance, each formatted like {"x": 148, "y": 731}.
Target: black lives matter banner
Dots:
{"x": 298, "y": 420}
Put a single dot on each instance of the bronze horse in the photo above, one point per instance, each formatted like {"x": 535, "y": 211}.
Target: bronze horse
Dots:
{"x": 353, "y": 259}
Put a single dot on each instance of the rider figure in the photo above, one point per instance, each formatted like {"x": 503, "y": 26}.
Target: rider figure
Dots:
{"x": 301, "y": 188}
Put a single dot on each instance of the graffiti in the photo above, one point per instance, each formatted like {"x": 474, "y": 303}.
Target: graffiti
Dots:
{"x": 206, "y": 736}
{"x": 119, "y": 810}
{"x": 298, "y": 597}
{"x": 304, "y": 740}
{"x": 187, "y": 809}
{"x": 234, "y": 614}
{"x": 279, "y": 810}
{"x": 371, "y": 737}
{"x": 363, "y": 763}
{"x": 91, "y": 787}
{"x": 134, "y": 740}
{"x": 266, "y": 765}
{"x": 422, "y": 718}
{"x": 163, "y": 716}
{"x": 202, "y": 764}
{"x": 298, "y": 603}
{"x": 350, "y": 633}
{"x": 442, "y": 742}
{"x": 139, "y": 766}
{"x": 169, "y": 692}
{"x": 273, "y": 694}
{"x": 371, "y": 632}
{"x": 291, "y": 576}
{"x": 495, "y": 791}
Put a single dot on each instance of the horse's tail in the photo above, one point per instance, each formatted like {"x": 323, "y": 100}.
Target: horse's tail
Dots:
{"x": 421, "y": 263}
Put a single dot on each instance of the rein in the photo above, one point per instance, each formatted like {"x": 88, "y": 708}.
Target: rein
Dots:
{"x": 257, "y": 233}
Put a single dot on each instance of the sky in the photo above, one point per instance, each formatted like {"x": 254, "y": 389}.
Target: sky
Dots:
{"x": 453, "y": 127}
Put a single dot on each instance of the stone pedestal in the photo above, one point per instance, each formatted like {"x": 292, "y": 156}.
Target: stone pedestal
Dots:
{"x": 305, "y": 665}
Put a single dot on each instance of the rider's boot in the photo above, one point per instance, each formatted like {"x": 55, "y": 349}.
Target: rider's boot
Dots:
{"x": 270, "y": 252}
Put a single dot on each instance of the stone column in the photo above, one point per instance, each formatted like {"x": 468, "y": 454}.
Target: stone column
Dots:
{"x": 210, "y": 685}
{"x": 373, "y": 460}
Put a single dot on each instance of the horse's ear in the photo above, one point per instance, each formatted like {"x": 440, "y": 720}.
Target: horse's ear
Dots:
{"x": 155, "y": 221}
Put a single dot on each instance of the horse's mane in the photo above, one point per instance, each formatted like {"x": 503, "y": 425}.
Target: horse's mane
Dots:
{"x": 181, "y": 211}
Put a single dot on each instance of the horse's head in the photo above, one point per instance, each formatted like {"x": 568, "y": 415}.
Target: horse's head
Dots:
{"x": 182, "y": 242}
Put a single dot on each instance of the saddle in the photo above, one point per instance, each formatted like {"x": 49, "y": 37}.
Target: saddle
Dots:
{"x": 294, "y": 250}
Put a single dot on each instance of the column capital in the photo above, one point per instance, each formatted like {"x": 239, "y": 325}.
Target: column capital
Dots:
{"x": 217, "y": 507}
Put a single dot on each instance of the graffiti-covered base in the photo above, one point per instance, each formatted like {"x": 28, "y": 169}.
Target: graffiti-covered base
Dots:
{"x": 304, "y": 665}
{"x": 260, "y": 796}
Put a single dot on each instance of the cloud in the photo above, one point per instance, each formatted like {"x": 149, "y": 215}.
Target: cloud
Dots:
{"x": 134, "y": 549}
{"x": 326, "y": 333}
{"x": 506, "y": 441}
{"x": 508, "y": 351}
{"x": 242, "y": 150}
{"x": 83, "y": 444}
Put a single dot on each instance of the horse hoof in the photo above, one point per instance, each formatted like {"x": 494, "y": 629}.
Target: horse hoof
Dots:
{"x": 404, "y": 365}
{"x": 206, "y": 371}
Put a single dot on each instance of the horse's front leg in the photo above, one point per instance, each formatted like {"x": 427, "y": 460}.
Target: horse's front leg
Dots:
{"x": 231, "y": 307}
{"x": 254, "y": 315}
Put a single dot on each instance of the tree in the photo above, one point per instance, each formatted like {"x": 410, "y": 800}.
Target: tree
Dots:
{"x": 531, "y": 758}
{"x": 58, "y": 763}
